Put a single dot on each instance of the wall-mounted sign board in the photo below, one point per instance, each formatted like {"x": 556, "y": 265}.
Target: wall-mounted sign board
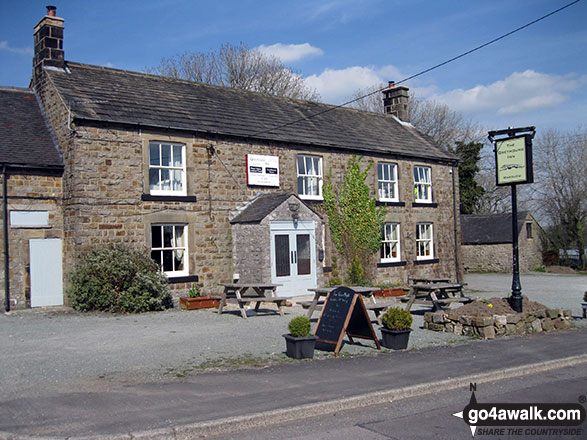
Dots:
{"x": 262, "y": 170}
{"x": 344, "y": 312}
{"x": 513, "y": 160}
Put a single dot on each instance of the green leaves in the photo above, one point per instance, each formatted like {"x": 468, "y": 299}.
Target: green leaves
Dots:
{"x": 353, "y": 217}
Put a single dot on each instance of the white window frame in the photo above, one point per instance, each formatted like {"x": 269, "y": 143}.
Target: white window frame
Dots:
{"x": 303, "y": 175}
{"x": 424, "y": 239}
{"x": 174, "y": 247}
{"x": 391, "y": 235}
{"x": 422, "y": 184}
{"x": 172, "y": 168}
{"x": 387, "y": 183}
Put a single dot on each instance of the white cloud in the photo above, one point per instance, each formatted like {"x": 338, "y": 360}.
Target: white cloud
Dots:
{"x": 518, "y": 93}
{"x": 290, "y": 52}
{"x": 337, "y": 86}
{"x": 20, "y": 50}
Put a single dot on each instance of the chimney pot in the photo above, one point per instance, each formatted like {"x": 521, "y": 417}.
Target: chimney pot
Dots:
{"x": 396, "y": 101}
{"x": 51, "y": 11}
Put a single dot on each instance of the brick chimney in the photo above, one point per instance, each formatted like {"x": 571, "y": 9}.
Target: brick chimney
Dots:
{"x": 48, "y": 43}
{"x": 396, "y": 101}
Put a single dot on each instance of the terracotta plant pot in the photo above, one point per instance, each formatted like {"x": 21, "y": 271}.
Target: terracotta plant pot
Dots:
{"x": 201, "y": 302}
{"x": 389, "y": 291}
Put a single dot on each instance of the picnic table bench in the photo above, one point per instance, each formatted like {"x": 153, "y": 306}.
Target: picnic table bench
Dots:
{"x": 437, "y": 295}
{"x": 247, "y": 293}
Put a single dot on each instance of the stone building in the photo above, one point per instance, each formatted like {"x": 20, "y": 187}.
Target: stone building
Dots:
{"x": 31, "y": 167}
{"x": 487, "y": 242}
{"x": 220, "y": 183}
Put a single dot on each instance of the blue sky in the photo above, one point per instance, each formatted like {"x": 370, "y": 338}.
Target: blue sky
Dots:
{"x": 535, "y": 77}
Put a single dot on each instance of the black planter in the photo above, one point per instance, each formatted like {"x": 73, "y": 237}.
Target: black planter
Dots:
{"x": 300, "y": 348}
{"x": 584, "y": 306}
{"x": 395, "y": 339}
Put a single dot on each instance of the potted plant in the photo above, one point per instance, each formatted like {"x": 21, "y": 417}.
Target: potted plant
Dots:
{"x": 300, "y": 342}
{"x": 395, "y": 288}
{"x": 395, "y": 332}
{"x": 584, "y": 305}
{"x": 194, "y": 300}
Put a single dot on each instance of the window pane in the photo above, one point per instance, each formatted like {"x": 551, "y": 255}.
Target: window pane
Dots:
{"x": 167, "y": 261}
{"x": 303, "y": 250}
{"x": 166, "y": 155}
{"x": 154, "y": 154}
{"x": 301, "y": 166}
{"x": 380, "y": 175}
{"x": 394, "y": 250}
{"x": 165, "y": 180}
{"x": 156, "y": 256}
{"x": 317, "y": 167}
{"x": 179, "y": 236}
{"x": 282, "y": 265}
{"x": 177, "y": 156}
{"x": 178, "y": 259}
{"x": 167, "y": 236}
{"x": 177, "y": 179}
{"x": 310, "y": 166}
{"x": 156, "y": 236}
{"x": 154, "y": 179}
{"x": 301, "y": 186}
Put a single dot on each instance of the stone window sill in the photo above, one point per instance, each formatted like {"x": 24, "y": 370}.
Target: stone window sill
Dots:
{"x": 392, "y": 264}
{"x": 431, "y": 261}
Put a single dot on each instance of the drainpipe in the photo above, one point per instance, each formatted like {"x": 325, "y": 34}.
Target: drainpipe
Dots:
{"x": 6, "y": 254}
{"x": 455, "y": 228}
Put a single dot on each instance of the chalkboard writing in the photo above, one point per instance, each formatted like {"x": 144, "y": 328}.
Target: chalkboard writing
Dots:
{"x": 344, "y": 311}
{"x": 335, "y": 312}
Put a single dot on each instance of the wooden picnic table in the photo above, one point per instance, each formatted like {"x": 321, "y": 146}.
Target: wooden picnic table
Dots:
{"x": 437, "y": 294}
{"x": 429, "y": 280}
{"x": 246, "y": 293}
{"x": 320, "y": 292}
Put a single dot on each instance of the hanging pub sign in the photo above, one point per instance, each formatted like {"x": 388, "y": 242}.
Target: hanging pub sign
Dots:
{"x": 262, "y": 170}
{"x": 513, "y": 160}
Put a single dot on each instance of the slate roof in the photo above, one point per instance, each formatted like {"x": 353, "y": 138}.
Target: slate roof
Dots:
{"x": 490, "y": 228}
{"x": 25, "y": 139}
{"x": 260, "y": 208}
{"x": 105, "y": 94}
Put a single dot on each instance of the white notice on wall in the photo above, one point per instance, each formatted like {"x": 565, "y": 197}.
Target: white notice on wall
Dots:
{"x": 262, "y": 170}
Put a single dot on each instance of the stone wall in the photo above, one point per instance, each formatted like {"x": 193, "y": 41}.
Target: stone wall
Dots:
{"x": 490, "y": 327}
{"x": 498, "y": 257}
{"x": 29, "y": 193}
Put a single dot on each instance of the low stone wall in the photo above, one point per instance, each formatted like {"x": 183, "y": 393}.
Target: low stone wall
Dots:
{"x": 490, "y": 327}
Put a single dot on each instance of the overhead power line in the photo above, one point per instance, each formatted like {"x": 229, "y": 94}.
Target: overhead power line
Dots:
{"x": 444, "y": 63}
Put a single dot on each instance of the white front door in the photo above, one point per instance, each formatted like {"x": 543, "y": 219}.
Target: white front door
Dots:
{"x": 293, "y": 257}
{"x": 46, "y": 272}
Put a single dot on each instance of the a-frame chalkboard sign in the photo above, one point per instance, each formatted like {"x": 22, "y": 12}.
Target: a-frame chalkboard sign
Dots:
{"x": 344, "y": 311}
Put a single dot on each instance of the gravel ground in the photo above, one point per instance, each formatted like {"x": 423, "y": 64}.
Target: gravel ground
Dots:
{"x": 57, "y": 350}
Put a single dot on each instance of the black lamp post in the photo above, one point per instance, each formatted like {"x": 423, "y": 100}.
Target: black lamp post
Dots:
{"x": 513, "y": 159}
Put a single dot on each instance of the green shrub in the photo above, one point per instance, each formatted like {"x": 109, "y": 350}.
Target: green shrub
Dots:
{"x": 119, "y": 279}
{"x": 356, "y": 273}
{"x": 395, "y": 318}
{"x": 194, "y": 291}
{"x": 299, "y": 327}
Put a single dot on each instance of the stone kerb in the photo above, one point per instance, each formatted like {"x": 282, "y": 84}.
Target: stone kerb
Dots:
{"x": 490, "y": 327}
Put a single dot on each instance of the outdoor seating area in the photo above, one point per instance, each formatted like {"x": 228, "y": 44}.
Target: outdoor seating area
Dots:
{"x": 243, "y": 294}
{"x": 436, "y": 292}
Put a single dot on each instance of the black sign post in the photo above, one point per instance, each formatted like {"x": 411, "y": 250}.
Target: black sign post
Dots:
{"x": 344, "y": 312}
{"x": 513, "y": 165}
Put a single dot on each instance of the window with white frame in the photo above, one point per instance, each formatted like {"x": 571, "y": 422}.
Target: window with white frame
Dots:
{"x": 424, "y": 241}
{"x": 387, "y": 181}
{"x": 422, "y": 185}
{"x": 169, "y": 248}
{"x": 310, "y": 177}
{"x": 167, "y": 169}
{"x": 390, "y": 243}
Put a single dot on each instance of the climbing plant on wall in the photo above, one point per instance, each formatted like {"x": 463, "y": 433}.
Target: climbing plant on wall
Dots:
{"x": 354, "y": 219}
